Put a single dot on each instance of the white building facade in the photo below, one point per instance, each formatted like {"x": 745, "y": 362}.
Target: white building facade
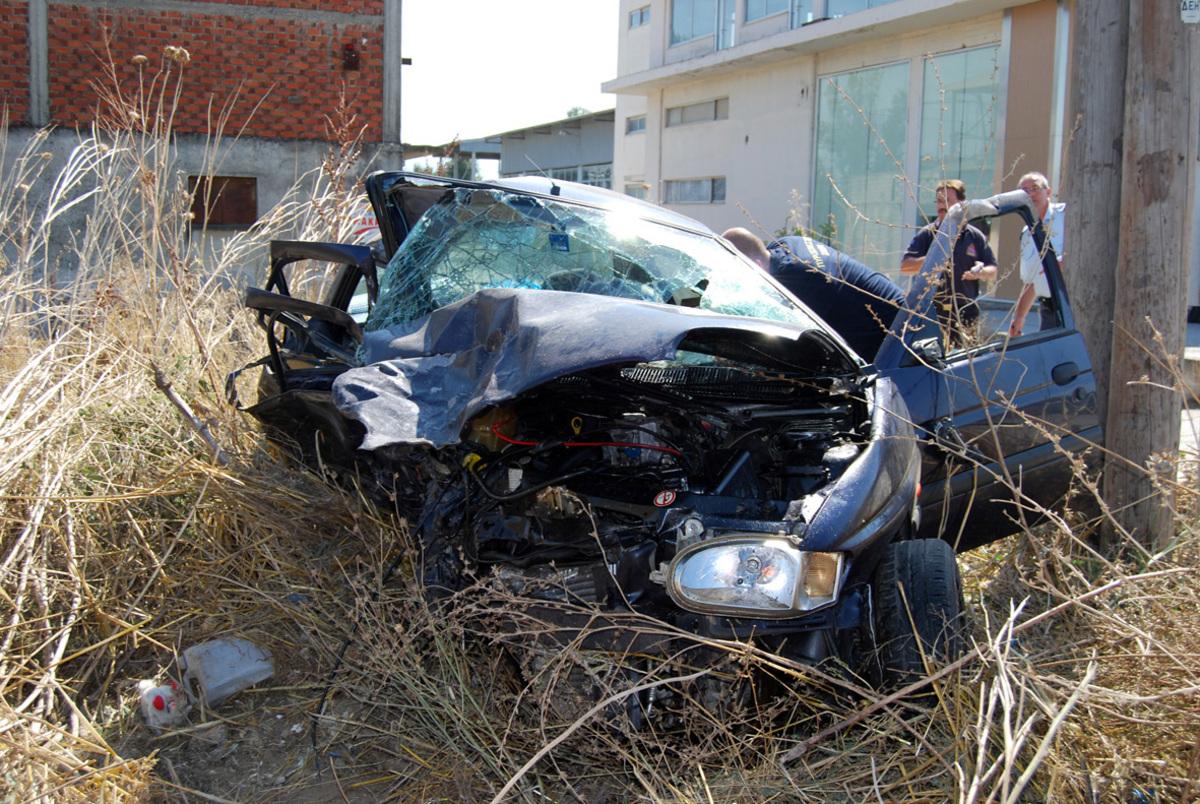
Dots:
{"x": 838, "y": 116}
{"x": 578, "y": 148}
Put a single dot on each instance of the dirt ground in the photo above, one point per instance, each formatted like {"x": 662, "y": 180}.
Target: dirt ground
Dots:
{"x": 256, "y": 747}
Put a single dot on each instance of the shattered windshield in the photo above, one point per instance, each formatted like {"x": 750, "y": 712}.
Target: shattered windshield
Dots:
{"x": 489, "y": 238}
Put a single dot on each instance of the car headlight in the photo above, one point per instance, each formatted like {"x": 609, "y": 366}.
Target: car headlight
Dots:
{"x": 754, "y": 576}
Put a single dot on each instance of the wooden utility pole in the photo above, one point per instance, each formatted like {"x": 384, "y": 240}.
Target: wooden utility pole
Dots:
{"x": 1092, "y": 184}
{"x": 1152, "y": 266}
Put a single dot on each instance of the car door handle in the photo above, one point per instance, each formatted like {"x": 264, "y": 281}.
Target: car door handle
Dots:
{"x": 1063, "y": 373}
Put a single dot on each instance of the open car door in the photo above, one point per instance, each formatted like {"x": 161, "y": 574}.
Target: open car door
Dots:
{"x": 1000, "y": 418}
{"x": 315, "y": 298}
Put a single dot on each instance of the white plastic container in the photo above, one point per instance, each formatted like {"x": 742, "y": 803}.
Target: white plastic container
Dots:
{"x": 217, "y": 670}
{"x": 163, "y": 705}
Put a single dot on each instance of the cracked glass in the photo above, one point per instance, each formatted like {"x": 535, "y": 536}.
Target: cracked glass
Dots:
{"x": 475, "y": 239}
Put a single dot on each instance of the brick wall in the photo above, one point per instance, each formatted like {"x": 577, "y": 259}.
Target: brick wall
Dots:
{"x": 290, "y": 69}
{"x": 346, "y": 6}
{"x": 14, "y": 60}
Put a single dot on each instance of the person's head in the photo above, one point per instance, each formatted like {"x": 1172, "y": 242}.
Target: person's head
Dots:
{"x": 753, "y": 247}
{"x": 1037, "y": 187}
{"x": 949, "y": 193}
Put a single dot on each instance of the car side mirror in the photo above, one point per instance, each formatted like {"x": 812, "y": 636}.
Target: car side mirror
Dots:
{"x": 927, "y": 351}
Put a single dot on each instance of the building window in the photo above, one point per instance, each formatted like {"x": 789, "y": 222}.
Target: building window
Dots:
{"x": 840, "y": 8}
{"x": 223, "y": 201}
{"x": 695, "y": 191}
{"x": 958, "y": 124}
{"x": 805, "y": 11}
{"x": 635, "y": 125}
{"x": 565, "y": 173}
{"x": 639, "y": 17}
{"x": 691, "y": 19}
{"x": 757, "y": 9}
{"x": 859, "y": 195}
{"x": 636, "y": 191}
{"x": 698, "y": 112}
{"x": 859, "y": 190}
{"x": 802, "y": 12}
{"x": 598, "y": 175}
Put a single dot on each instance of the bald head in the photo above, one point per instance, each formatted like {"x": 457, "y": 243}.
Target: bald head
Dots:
{"x": 746, "y": 242}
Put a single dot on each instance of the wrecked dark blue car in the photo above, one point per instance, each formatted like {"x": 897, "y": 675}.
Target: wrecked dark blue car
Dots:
{"x": 584, "y": 398}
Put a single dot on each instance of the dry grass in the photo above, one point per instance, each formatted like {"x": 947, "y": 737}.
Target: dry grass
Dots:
{"x": 123, "y": 540}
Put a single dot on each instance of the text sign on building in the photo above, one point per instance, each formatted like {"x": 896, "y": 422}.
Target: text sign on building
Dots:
{"x": 1189, "y": 10}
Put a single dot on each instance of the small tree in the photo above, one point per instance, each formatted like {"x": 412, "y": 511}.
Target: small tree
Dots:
{"x": 452, "y": 164}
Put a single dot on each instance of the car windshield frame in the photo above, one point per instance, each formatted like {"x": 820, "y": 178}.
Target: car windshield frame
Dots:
{"x": 488, "y": 237}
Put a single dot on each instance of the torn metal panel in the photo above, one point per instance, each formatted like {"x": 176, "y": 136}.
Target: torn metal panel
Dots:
{"x": 425, "y": 379}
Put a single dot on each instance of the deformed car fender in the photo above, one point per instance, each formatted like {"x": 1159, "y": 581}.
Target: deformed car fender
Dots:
{"x": 877, "y": 494}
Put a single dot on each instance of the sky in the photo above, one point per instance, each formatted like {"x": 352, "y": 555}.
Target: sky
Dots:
{"x": 482, "y": 67}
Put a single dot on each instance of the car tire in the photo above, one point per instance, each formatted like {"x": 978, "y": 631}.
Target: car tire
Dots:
{"x": 918, "y": 610}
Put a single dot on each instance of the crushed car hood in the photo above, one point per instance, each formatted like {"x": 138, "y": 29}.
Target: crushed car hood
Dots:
{"x": 423, "y": 380}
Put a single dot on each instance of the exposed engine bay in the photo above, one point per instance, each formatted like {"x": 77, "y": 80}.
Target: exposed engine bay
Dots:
{"x": 586, "y": 488}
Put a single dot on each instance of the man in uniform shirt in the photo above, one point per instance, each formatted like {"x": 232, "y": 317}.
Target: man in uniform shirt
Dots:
{"x": 973, "y": 261}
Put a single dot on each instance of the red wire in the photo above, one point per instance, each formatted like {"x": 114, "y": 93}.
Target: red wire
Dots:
{"x": 503, "y": 437}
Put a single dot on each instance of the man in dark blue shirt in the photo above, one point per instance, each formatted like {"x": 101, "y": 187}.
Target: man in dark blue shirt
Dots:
{"x": 958, "y": 284}
{"x": 854, "y": 300}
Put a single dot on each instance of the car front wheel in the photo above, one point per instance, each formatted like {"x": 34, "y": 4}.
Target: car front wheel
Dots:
{"x": 918, "y": 606}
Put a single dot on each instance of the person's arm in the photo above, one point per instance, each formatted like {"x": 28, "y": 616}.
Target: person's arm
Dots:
{"x": 1021, "y": 311}
{"x": 914, "y": 255}
{"x": 985, "y": 266}
{"x": 980, "y": 271}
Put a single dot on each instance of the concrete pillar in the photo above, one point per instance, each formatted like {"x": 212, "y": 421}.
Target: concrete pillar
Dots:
{"x": 391, "y": 71}
{"x": 39, "y": 63}
{"x": 1029, "y": 130}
